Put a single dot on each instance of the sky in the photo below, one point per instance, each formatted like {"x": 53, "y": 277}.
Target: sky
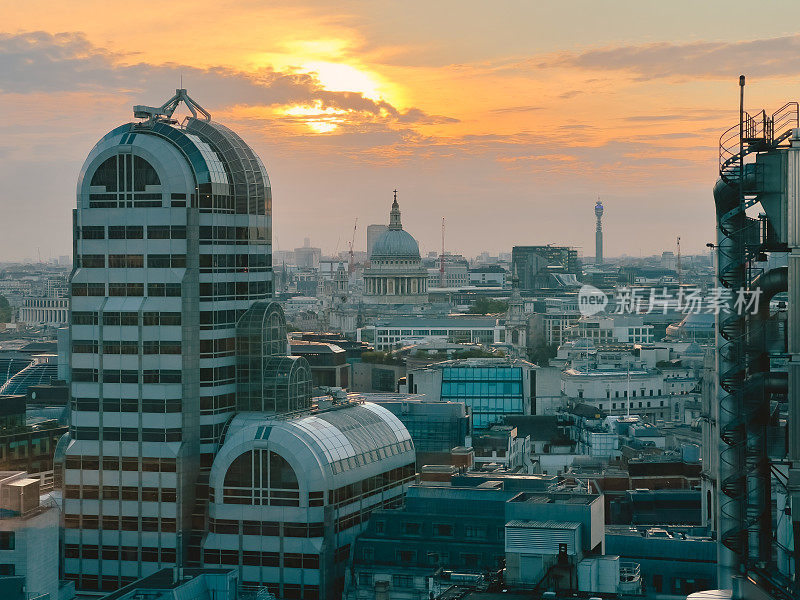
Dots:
{"x": 507, "y": 118}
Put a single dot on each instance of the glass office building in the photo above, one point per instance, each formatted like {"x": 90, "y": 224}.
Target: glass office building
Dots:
{"x": 489, "y": 392}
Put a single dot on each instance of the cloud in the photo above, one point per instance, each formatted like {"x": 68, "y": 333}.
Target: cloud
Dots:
{"x": 41, "y": 62}
{"x": 515, "y": 109}
{"x": 770, "y": 57}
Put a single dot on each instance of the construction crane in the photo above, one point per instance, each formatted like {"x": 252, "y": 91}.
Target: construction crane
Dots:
{"x": 678, "y": 263}
{"x": 441, "y": 259}
{"x": 351, "y": 264}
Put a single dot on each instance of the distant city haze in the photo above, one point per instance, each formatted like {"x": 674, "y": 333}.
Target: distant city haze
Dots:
{"x": 508, "y": 119}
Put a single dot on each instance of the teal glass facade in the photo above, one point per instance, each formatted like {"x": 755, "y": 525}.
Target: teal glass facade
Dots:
{"x": 489, "y": 392}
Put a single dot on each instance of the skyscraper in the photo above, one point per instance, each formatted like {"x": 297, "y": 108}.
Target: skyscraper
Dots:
{"x": 598, "y": 234}
{"x": 172, "y": 244}
{"x": 193, "y": 438}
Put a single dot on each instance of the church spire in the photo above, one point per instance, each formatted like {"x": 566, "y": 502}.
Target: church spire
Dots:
{"x": 394, "y": 214}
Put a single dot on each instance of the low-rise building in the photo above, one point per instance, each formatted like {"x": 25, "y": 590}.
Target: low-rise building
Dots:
{"x": 491, "y": 388}
{"x": 386, "y": 334}
{"x": 473, "y": 530}
{"x": 674, "y": 563}
{"x": 51, "y": 311}
{"x": 29, "y": 532}
{"x": 328, "y": 362}
{"x": 436, "y": 427}
{"x": 487, "y": 276}
{"x": 27, "y": 446}
{"x": 175, "y": 583}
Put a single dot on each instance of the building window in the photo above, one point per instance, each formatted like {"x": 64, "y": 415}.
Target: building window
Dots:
{"x": 475, "y": 531}
{"x": 7, "y": 569}
{"x": 407, "y": 556}
{"x": 411, "y": 528}
{"x": 7, "y": 541}
{"x": 442, "y": 529}
{"x": 402, "y": 581}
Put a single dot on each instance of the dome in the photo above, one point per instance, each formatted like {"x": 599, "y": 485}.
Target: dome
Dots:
{"x": 395, "y": 243}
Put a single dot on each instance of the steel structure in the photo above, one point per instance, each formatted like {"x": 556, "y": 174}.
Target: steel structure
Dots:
{"x": 598, "y": 232}
{"x": 755, "y": 167}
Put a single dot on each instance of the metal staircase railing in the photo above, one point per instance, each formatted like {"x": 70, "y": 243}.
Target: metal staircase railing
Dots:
{"x": 737, "y": 405}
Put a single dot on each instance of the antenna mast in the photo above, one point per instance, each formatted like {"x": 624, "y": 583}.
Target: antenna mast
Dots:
{"x": 351, "y": 265}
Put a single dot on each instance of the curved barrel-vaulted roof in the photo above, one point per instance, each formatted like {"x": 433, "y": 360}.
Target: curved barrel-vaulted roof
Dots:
{"x": 327, "y": 449}
{"x": 225, "y": 171}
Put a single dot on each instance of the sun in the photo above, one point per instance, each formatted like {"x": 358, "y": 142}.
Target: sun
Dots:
{"x": 341, "y": 77}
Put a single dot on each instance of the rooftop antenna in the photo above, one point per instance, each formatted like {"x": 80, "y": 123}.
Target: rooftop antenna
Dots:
{"x": 165, "y": 111}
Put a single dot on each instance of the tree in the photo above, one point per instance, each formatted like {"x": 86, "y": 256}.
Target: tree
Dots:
{"x": 486, "y": 306}
{"x": 541, "y": 355}
{"x": 5, "y": 310}
{"x": 380, "y": 357}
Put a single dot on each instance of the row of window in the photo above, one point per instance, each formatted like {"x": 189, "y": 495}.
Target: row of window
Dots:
{"x": 131, "y": 261}
{"x": 291, "y": 560}
{"x": 145, "y": 405}
{"x": 126, "y": 289}
{"x": 126, "y": 434}
{"x": 114, "y": 463}
{"x": 217, "y": 347}
{"x": 221, "y": 234}
{"x": 126, "y": 375}
{"x": 126, "y": 347}
{"x": 240, "y": 262}
{"x": 370, "y": 486}
{"x": 223, "y": 290}
{"x": 218, "y": 403}
{"x": 117, "y": 523}
{"x": 106, "y": 492}
{"x": 622, "y": 405}
{"x": 267, "y": 528}
{"x": 469, "y": 531}
{"x": 625, "y": 393}
{"x": 125, "y": 318}
{"x": 218, "y": 375}
{"x": 133, "y": 232}
{"x": 132, "y": 553}
{"x": 219, "y": 319}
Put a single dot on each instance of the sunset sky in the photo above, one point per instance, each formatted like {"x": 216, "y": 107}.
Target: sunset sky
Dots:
{"x": 508, "y": 118}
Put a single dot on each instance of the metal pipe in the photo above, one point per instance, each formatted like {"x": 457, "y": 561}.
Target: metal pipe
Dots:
{"x": 760, "y": 385}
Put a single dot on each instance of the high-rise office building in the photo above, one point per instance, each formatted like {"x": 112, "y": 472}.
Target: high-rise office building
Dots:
{"x": 172, "y": 244}
{"x": 193, "y": 439}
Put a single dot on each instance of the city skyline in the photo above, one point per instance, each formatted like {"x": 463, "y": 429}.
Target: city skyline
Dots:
{"x": 534, "y": 110}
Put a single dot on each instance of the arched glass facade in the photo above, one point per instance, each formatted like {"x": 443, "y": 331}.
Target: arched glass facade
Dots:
{"x": 267, "y": 380}
{"x": 261, "y": 477}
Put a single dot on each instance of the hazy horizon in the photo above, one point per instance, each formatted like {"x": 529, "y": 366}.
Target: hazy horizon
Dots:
{"x": 508, "y": 122}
